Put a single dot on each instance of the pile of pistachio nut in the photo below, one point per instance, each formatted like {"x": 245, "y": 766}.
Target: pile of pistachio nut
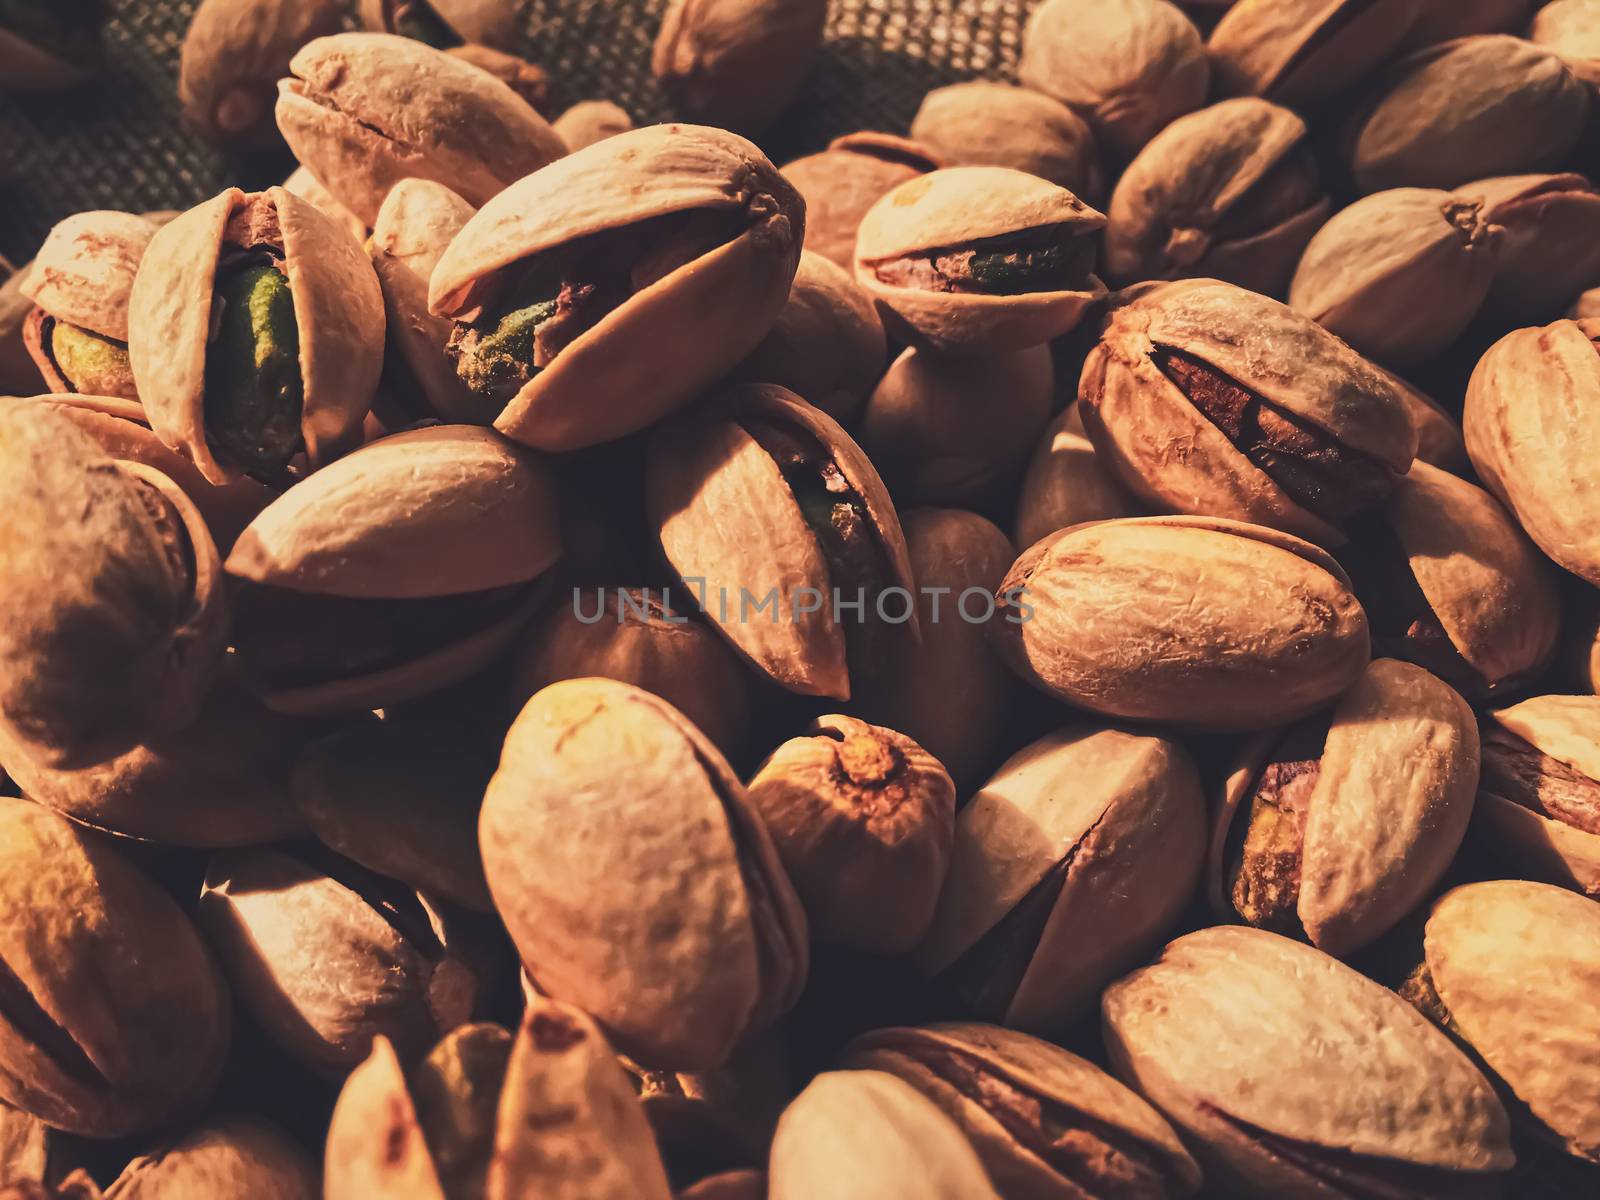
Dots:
{"x": 1047, "y": 654}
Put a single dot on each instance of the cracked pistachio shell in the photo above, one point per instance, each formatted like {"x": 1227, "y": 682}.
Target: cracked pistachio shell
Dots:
{"x": 1517, "y": 966}
{"x": 869, "y": 1135}
{"x": 1136, "y": 415}
{"x": 338, "y": 312}
{"x": 737, "y": 64}
{"x": 1393, "y": 795}
{"x": 1292, "y": 1075}
{"x": 19, "y": 375}
{"x": 957, "y": 206}
{"x": 591, "y": 121}
{"x": 1202, "y": 622}
{"x": 841, "y": 183}
{"x": 1089, "y": 842}
{"x": 1464, "y": 110}
{"x": 1550, "y": 247}
{"x": 1442, "y": 20}
{"x": 728, "y": 519}
{"x": 636, "y": 877}
{"x": 242, "y": 1158}
{"x": 664, "y": 344}
{"x": 1085, "y": 1133}
{"x": 1571, "y": 28}
{"x": 979, "y": 123}
{"x": 1399, "y": 274}
{"x": 84, "y": 271}
{"x": 120, "y": 1018}
{"x": 1128, "y": 67}
{"x": 113, "y": 616}
{"x": 417, "y": 221}
{"x": 1066, "y": 484}
{"x": 1178, "y": 208}
{"x": 496, "y": 23}
{"x": 1301, "y": 52}
{"x": 1532, "y": 426}
{"x": 363, "y": 111}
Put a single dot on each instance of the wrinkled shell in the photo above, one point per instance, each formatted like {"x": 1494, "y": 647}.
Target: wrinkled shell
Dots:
{"x": 1571, "y": 28}
{"x": 591, "y": 121}
{"x": 736, "y": 64}
{"x": 85, "y": 269}
{"x": 1300, "y": 52}
{"x": 982, "y": 124}
{"x": 496, "y": 23}
{"x": 640, "y": 362}
{"x": 241, "y": 1158}
{"x": 1122, "y": 815}
{"x": 842, "y": 182}
{"x": 1234, "y": 1030}
{"x": 365, "y": 110}
{"x": 1550, "y": 247}
{"x": 1066, "y": 484}
{"x": 1203, "y": 622}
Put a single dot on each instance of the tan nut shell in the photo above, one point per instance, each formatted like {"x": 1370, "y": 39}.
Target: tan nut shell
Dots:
{"x": 244, "y": 1158}
{"x": 397, "y": 109}
{"x": 641, "y": 360}
{"x": 1571, "y": 28}
{"x": 635, "y": 876}
{"x": 1066, "y": 484}
{"x": 957, "y": 205}
{"x": 1202, "y": 622}
{"x": 306, "y": 185}
{"x": 1532, "y": 425}
{"x": 375, "y": 1108}
{"x": 496, "y": 23}
{"x": 1518, "y": 966}
{"x": 591, "y": 121}
{"x": 1172, "y": 456}
{"x": 1126, "y": 812}
{"x": 1398, "y": 775}
{"x": 980, "y": 123}
{"x": 338, "y": 310}
{"x": 842, "y": 182}
{"x": 1550, "y": 247}
{"x": 1299, "y": 52}
{"x": 1236, "y": 1027}
{"x": 84, "y": 271}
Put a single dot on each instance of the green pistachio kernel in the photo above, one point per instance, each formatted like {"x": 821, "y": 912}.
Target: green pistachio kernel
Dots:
{"x": 499, "y": 360}
{"x": 254, "y": 393}
{"x": 1014, "y": 272}
{"x": 92, "y": 364}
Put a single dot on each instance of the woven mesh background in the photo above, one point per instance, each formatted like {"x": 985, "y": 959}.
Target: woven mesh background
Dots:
{"x": 117, "y": 142}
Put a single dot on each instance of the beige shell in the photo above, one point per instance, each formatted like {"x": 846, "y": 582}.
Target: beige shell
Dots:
{"x": 1570, "y": 28}
{"x": 635, "y": 877}
{"x": 84, "y": 271}
{"x": 979, "y": 123}
{"x": 959, "y": 205}
{"x": 591, "y": 121}
{"x": 242, "y": 1157}
{"x": 1532, "y": 426}
{"x": 1120, "y": 818}
{"x": 1398, "y": 775}
{"x": 363, "y": 111}
{"x": 1550, "y": 245}
{"x": 306, "y": 185}
{"x": 736, "y": 64}
{"x": 338, "y": 310}
{"x": 375, "y": 1106}
{"x": 1518, "y": 967}
{"x": 1247, "y": 1040}
{"x": 1137, "y": 417}
{"x": 496, "y": 23}
{"x": 841, "y": 183}
{"x": 1399, "y": 274}
{"x": 1066, "y": 484}
{"x": 641, "y": 360}
{"x": 1300, "y": 52}
{"x": 1202, "y": 622}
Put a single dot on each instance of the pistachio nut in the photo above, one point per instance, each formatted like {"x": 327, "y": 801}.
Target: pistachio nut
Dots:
{"x": 1550, "y": 248}
{"x": 980, "y": 258}
{"x": 869, "y": 1135}
{"x": 842, "y": 182}
{"x": 1464, "y": 110}
{"x": 1399, "y": 274}
{"x": 736, "y": 64}
{"x": 446, "y": 24}
{"x": 363, "y": 111}
{"x": 112, "y": 617}
{"x": 637, "y": 878}
{"x": 570, "y": 291}
{"x": 548, "y": 1114}
{"x": 1540, "y": 794}
{"x": 827, "y": 345}
{"x": 591, "y": 121}
{"x": 1570, "y": 28}
{"x": 47, "y": 46}
{"x": 949, "y": 691}
{"x": 1513, "y": 970}
{"x": 305, "y": 185}
{"x": 1229, "y": 192}
{"x": 1336, "y": 828}
{"x": 233, "y": 56}
{"x": 862, "y": 818}
{"x": 336, "y": 613}
{"x": 417, "y": 221}
{"x": 521, "y": 76}
{"x": 327, "y": 955}
{"x": 1301, "y": 52}
{"x": 18, "y": 373}
{"x": 1281, "y": 423}
{"x": 764, "y": 499}
{"x": 1292, "y": 1075}
{"x": 1442, "y": 20}
{"x": 1532, "y": 426}
{"x": 954, "y": 428}
{"x": 1069, "y": 866}
{"x": 637, "y": 636}
{"x": 1439, "y": 439}
{"x": 1450, "y": 583}
{"x": 80, "y": 282}
{"x": 242, "y": 1158}
{"x": 256, "y": 335}
{"x": 978, "y": 123}
{"x": 1045, "y": 1122}
{"x": 1201, "y": 622}
{"x": 25, "y": 1146}
{"x": 1067, "y": 484}
{"x": 728, "y": 1185}
{"x": 115, "y": 1017}
{"x": 1128, "y": 67}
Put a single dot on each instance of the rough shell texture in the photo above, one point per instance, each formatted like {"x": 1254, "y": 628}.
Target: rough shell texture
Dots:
{"x": 842, "y": 182}
{"x": 84, "y": 271}
{"x": 984, "y": 124}
{"x": 1570, "y": 28}
{"x": 1550, "y": 244}
{"x": 737, "y": 64}
{"x": 1301, "y": 52}
{"x": 241, "y": 1157}
{"x": 1066, "y": 484}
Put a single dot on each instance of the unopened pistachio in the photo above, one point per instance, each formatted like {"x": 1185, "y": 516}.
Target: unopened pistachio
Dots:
{"x": 842, "y": 182}
{"x": 983, "y": 124}
{"x": 1301, "y": 52}
{"x": 1067, "y": 484}
{"x": 1548, "y": 247}
{"x": 238, "y": 1157}
{"x": 736, "y": 63}
{"x": 518, "y": 74}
